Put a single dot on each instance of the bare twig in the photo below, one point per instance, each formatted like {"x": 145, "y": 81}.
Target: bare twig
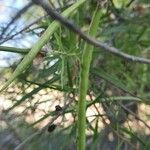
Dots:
{"x": 130, "y": 3}
{"x": 23, "y": 10}
{"x": 28, "y": 26}
{"x": 106, "y": 124}
{"x": 22, "y": 30}
{"x": 87, "y": 38}
{"x": 135, "y": 115}
{"x": 118, "y": 134}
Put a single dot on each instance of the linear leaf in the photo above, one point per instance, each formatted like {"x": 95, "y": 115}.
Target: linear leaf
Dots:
{"x": 28, "y": 95}
{"x": 39, "y": 44}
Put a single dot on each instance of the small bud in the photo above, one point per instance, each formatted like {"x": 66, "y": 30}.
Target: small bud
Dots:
{"x": 58, "y": 108}
{"x": 51, "y": 128}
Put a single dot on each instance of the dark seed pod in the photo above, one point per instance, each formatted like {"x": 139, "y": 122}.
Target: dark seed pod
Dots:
{"x": 51, "y": 128}
{"x": 58, "y": 108}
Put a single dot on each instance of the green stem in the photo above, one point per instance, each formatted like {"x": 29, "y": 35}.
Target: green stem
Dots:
{"x": 14, "y": 49}
{"x": 83, "y": 85}
{"x": 27, "y": 60}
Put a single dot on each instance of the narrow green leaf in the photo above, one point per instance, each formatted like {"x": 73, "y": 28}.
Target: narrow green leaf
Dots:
{"x": 43, "y": 118}
{"x": 110, "y": 78}
{"x": 29, "y": 95}
{"x": 133, "y": 135}
{"x": 44, "y": 73}
{"x": 14, "y": 49}
{"x": 39, "y": 44}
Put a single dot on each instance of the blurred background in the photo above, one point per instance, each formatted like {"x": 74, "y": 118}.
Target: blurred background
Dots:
{"x": 119, "y": 91}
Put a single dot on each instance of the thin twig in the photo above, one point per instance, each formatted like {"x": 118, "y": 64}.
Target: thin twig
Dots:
{"x": 135, "y": 115}
{"x": 118, "y": 134}
{"x": 23, "y": 10}
{"x": 130, "y": 3}
{"x": 22, "y": 30}
{"x": 106, "y": 124}
{"x": 90, "y": 40}
{"x": 31, "y": 24}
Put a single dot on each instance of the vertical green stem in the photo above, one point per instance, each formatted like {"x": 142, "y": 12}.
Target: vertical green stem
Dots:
{"x": 83, "y": 85}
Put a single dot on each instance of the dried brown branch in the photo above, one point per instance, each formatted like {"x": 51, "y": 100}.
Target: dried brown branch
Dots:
{"x": 135, "y": 115}
{"x": 69, "y": 24}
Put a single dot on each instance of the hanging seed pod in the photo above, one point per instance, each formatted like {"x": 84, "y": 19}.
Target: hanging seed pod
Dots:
{"x": 58, "y": 108}
{"x": 51, "y": 128}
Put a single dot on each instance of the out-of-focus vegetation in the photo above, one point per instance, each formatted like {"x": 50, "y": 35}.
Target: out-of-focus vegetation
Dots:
{"x": 117, "y": 109}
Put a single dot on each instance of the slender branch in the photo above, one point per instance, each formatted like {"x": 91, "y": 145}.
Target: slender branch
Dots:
{"x": 22, "y": 30}
{"x": 22, "y": 51}
{"x": 117, "y": 133}
{"x": 130, "y": 3}
{"x": 14, "y": 49}
{"x": 135, "y": 115}
{"x": 109, "y": 125}
{"x": 31, "y": 24}
{"x": 88, "y": 39}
